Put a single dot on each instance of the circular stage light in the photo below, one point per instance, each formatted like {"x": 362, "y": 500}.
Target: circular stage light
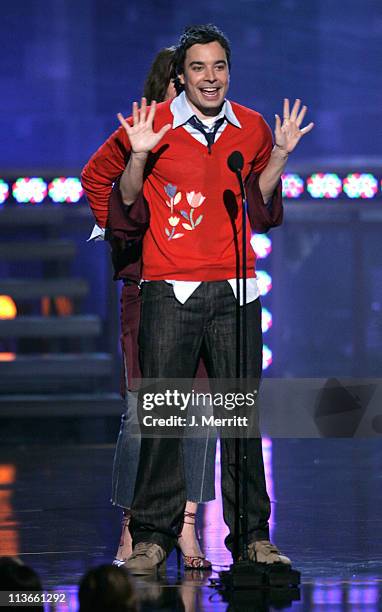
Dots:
{"x": 8, "y": 308}
{"x": 267, "y": 357}
{"x": 33, "y": 190}
{"x": 266, "y": 320}
{"x": 65, "y": 189}
{"x": 4, "y": 191}
{"x": 293, "y": 185}
{"x": 360, "y": 185}
{"x": 264, "y": 282}
{"x": 262, "y": 245}
{"x": 322, "y": 185}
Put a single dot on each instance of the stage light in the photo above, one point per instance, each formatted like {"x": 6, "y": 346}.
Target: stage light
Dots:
{"x": 363, "y": 594}
{"x": 264, "y": 282}
{"x": 4, "y": 191}
{"x": 7, "y": 474}
{"x": 322, "y": 185}
{"x": 65, "y": 189}
{"x": 33, "y": 190}
{"x": 267, "y": 445}
{"x": 8, "y": 308}
{"x": 262, "y": 245}
{"x": 327, "y": 595}
{"x": 266, "y": 320}
{"x": 7, "y": 356}
{"x": 10, "y": 537}
{"x": 358, "y": 185}
{"x": 267, "y": 357}
{"x": 293, "y": 185}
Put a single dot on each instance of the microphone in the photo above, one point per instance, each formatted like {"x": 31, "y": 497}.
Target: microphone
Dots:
{"x": 235, "y": 162}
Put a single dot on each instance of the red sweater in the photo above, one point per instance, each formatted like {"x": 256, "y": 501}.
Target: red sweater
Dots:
{"x": 194, "y": 199}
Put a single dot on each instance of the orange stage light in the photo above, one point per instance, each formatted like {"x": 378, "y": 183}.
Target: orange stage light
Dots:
{"x": 8, "y": 308}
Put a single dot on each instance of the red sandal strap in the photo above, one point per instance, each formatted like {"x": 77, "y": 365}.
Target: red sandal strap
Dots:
{"x": 190, "y": 515}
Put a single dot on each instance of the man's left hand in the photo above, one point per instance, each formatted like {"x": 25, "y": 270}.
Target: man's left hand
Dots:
{"x": 288, "y": 133}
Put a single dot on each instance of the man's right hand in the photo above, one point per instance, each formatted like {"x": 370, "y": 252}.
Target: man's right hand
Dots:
{"x": 141, "y": 135}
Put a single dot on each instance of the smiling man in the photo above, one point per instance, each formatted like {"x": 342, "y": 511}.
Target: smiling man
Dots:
{"x": 206, "y": 77}
{"x": 172, "y": 159}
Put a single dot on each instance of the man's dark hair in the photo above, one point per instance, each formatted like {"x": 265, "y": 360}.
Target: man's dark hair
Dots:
{"x": 160, "y": 75}
{"x": 199, "y": 35}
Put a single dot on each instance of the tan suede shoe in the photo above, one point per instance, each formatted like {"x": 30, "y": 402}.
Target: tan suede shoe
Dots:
{"x": 145, "y": 558}
{"x": 264, "y": 551}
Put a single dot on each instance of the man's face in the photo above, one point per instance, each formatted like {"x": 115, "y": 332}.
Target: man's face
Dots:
{"x": 205, "y": 78}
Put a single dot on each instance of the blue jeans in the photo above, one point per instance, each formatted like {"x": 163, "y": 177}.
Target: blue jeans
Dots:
{"x": 198, "y": 453}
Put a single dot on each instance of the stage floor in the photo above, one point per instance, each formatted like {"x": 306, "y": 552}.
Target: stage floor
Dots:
{"x": 326, "y": 515}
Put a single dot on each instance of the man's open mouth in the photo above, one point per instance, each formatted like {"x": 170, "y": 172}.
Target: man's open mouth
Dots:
{"x": 210, "y": 92}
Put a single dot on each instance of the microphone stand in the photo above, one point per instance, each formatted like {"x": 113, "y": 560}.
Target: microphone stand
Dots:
{"x": 244, "y": 574}
{"x": 241, "y": 543}
{"x": 243, "y": 442}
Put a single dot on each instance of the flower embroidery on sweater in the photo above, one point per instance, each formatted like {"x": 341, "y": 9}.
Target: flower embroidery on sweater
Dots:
{"x": 194, "y": 200}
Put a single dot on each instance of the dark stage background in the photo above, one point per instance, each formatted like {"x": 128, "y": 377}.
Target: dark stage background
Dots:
{"x": 67, "y": 67}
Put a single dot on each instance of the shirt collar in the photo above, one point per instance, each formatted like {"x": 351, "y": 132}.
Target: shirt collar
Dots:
{"x": 182, "y": 112}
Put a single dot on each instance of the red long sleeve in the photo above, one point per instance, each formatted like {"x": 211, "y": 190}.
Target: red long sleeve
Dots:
{"x": 103, "y": 168}
{"x": 262, "y": 218}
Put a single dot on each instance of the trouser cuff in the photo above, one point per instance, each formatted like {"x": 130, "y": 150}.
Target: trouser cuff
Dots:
{"x": 166, "y": 542}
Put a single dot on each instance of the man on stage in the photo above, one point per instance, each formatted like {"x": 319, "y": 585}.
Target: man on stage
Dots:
{"x": 177, "y": 167}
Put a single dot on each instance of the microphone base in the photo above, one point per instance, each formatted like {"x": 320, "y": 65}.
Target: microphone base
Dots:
{"x": 251, "y": 575}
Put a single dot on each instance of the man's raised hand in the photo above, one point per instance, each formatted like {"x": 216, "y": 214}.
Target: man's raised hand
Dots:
{"x": 141, "y": 135}
{"x": 288, "y": 133}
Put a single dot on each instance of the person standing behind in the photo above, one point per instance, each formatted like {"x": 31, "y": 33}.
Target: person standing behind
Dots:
{"x": 199, "y": 453}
